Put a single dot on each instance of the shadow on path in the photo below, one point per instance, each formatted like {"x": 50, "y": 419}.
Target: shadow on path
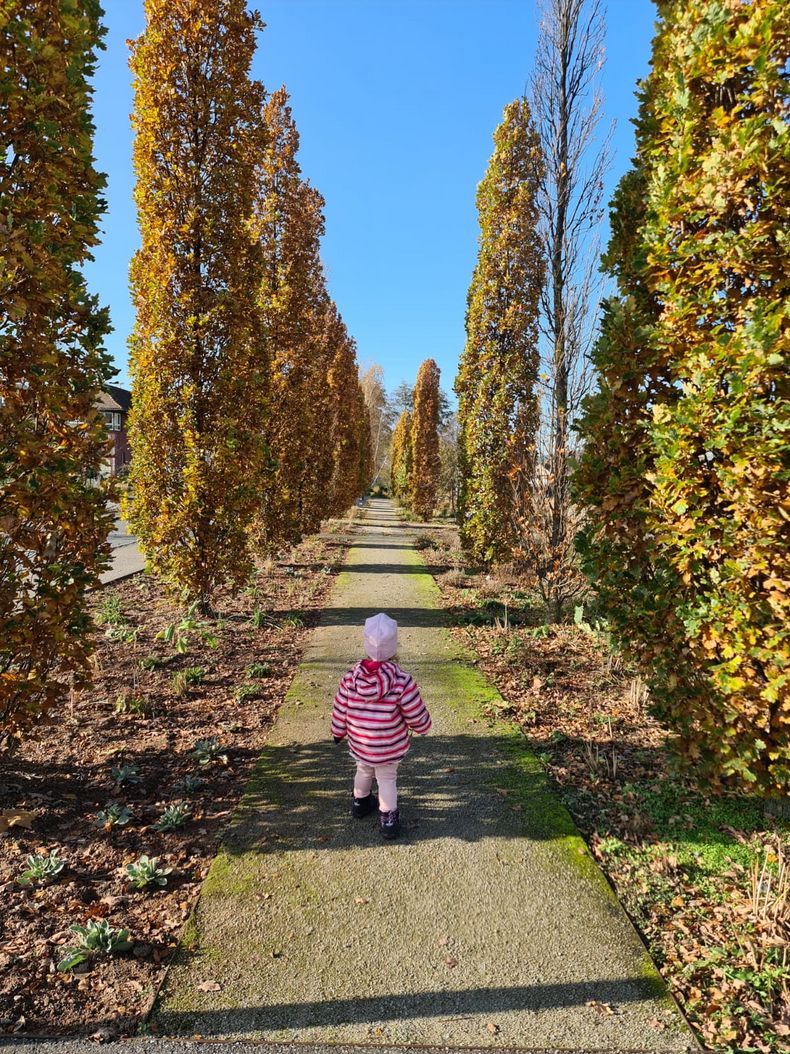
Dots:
{"x": 299, "y": 781}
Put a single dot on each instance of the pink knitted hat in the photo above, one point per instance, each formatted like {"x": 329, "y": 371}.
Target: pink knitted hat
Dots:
{"x": 381, "y": 637}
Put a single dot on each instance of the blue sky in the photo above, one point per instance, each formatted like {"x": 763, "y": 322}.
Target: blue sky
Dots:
{"x": 396, "y": 102}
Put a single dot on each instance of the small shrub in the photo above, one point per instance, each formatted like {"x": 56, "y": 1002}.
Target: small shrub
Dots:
{"x": 174, "y": 816}
{"x": 95, "y": 938}
{"x": 41, "y": 868}
{"x": 146, "y": 872}
{"x": 113, "y": 816}
{"x": 258, "y": 669}
{"x": 125, "y": 774}
{"x": 207, "y": 750}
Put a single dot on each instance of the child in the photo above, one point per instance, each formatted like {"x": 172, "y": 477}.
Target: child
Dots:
{"x": 376, "y": 706}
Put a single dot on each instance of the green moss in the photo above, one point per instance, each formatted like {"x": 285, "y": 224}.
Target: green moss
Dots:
{"x": 230, "y": 875}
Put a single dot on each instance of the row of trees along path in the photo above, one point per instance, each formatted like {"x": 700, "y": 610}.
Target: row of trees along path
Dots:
{"x": 248, "y": 423}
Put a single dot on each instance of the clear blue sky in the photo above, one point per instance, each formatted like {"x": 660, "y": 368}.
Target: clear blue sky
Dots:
{"x": 396, "y": 102}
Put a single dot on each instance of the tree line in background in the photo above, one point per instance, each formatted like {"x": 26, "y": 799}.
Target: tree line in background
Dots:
{"x": 249, "y": 422}
{"x": 650, "y": 461}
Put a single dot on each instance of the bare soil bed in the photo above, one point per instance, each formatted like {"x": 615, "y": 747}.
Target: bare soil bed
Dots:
{"x": 705, "y": 879}
{"x": 130, "y": 742}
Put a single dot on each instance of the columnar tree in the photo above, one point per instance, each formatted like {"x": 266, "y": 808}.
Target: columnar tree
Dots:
{"x": 382, "y": 418}
{"x": 684, "y": 471}
{"x": 424, "y": 477}
{"x": 347, "y": 417}
{"x": 53, "y": 519}
{"x": 401, "y": 457}
{"x": 197, "y": 362}
{"x": 567, "y": 107}
{"x": 497, "y": 401}
{"x": 289, "y": 225}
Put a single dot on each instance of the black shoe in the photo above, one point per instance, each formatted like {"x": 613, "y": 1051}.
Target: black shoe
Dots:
{"x": 389, "y": 824}
{"x": 364, "y": 806}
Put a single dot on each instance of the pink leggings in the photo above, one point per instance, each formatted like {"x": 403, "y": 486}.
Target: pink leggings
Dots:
{"x": 386, "y": 778}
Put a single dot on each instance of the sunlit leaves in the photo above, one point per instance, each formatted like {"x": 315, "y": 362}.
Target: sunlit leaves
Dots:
{"x": 685, "y": 467}
{"x": 53, "y": 519}
{"x": 497, "y": 405}
{"x": 199, "y": 366}
{"x": 423, "y": 483}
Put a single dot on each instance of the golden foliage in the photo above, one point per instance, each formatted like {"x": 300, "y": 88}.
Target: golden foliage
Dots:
{"x": 53, "y": 521}
{"x": 426, "y": 465}
{"x": 401, "y": 457}
{"x": 685, "y": 467}
{"x": 497, "y": 403}
{"x": 198, "y": 362}
{"x": 289, "y": 225}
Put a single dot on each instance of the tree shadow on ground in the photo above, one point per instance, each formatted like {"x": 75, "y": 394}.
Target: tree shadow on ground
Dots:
{"x": 397, "y": 1006}
{"x": 458, "y": 786}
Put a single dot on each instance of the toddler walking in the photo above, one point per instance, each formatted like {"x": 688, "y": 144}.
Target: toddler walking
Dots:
{"x": 376, "y": 707}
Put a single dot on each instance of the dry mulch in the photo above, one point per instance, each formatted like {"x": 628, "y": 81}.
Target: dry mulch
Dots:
{"x": 700, "y": 876}
{"x": 146, "y": 710}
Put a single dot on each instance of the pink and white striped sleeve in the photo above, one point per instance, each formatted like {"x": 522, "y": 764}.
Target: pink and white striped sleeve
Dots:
{"x": 415, "y": 713}
{"x": 339, "y": 711}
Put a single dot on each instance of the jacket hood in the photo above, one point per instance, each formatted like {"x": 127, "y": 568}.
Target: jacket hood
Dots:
{"x": 373, "y": 683}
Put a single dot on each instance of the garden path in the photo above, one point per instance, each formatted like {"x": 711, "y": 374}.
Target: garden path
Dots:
{"x": 487, "y": 924}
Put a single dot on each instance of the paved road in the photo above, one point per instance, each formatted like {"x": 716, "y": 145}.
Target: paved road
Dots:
{"x": 127, "y": 557}
{"x": 487, "y": 925}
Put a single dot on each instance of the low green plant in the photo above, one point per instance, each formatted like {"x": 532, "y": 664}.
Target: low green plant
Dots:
{"x": 258, "y": 669}
{"x": 260, "y": 618}
{"x": 41, "y": 868}
{"x": 207, "y": 750}
{"x": 125, "y": 774}
{"x": 188, "y": 785}
{"x": 133, "y": 704}
{"x": 293, "y": 621}
{"x": 150, "y": 662}
{"x": 124, "y": 634}
{"x": 97, "y": 937}
{"x": 245, "y": 691}
{"x": 179, "y": 634}
{"x": 113, "y": 816}
{"x": 146, "y": 872}
{"x": 183, "y": 680}
{"x": 174, "y": 816}
{"x": 110, "y": 613}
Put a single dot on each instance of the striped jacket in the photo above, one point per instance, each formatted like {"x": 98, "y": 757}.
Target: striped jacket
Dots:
{"x": 375, "y": 706}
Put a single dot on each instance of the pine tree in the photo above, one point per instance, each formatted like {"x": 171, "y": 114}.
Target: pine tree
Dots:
{"x": 497, "y": 404}
{"x": 684, "y": 471}
{"x": 424, "y": 477}
{"x": 53, "y": 519}
{"x": 289, "y": 225}
{"x": 197, "y": 362}
{"x": 401, "y": 457}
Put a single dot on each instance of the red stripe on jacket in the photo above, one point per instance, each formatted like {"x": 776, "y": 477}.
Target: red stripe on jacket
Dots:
{"x": 375, "y": 706}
